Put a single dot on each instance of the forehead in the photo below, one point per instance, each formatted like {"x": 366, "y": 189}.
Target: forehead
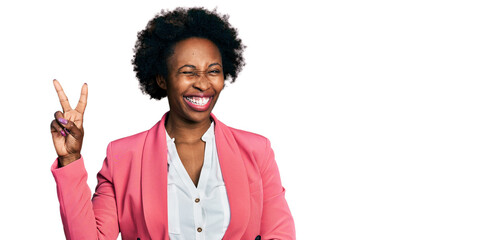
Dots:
{"x": 195, "y": 51}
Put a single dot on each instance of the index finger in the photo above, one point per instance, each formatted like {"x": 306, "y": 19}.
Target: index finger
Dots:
{"x": 82, "y": 102}
{"x": 61, "y": 96}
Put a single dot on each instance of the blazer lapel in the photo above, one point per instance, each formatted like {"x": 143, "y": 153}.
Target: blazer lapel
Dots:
{"x": 235, "y": 179}
{"x": 154, "y": 181}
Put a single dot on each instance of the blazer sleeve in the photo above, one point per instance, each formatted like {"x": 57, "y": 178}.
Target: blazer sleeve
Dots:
{"x": 82, "y": 217}
{"x": 277, "y": 221}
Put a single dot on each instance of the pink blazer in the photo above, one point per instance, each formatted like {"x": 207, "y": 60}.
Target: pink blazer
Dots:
{"x": 131, "y": 194}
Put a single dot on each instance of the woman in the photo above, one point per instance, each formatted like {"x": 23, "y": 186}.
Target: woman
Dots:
{"x": 189, "y": 176}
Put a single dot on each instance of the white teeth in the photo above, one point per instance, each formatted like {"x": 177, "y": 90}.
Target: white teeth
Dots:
{"x": 198, "y": 100}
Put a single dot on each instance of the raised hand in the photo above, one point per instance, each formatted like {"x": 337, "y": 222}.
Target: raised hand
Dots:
{"x": 67, "y": 127}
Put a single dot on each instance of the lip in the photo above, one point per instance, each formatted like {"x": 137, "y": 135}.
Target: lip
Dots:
{"x": 198, "y": 108}
{"x": 199, "y": 95}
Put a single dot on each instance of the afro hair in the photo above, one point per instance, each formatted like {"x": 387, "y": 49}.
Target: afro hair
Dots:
{"x": 156, "y": 42}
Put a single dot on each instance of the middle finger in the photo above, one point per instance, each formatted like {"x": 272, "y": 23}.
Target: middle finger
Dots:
{"x": 61, "y": 96}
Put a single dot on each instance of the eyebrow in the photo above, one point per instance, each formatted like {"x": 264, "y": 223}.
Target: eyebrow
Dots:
{"x": 192, "y": 66}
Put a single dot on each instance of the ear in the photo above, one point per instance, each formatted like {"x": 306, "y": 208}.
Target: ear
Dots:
{"x": 161, "y": 82}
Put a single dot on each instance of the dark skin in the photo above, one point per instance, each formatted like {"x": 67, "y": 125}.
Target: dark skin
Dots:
{"x": 185, "y": 124}
{"x": 195, "y": 68}
{"x": 68, "y": 145}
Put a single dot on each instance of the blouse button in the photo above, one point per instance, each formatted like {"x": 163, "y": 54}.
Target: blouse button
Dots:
{"x": 197, "y": 200}
{"x": 199, "y": 229}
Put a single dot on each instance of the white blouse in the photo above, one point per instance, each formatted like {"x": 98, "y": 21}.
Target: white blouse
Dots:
{"x": 201, "y": 212}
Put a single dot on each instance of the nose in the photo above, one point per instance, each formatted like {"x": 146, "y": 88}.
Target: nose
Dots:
{"x": 202, "y": 82}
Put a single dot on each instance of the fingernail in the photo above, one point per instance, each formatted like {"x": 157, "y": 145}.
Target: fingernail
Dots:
{"x": 62, "y": 121}
{"x": 63, "y": 133}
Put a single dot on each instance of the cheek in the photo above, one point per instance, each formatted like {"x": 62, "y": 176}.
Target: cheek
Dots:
{"x": 219, "y": 84}
{"x": 176, "y": 86}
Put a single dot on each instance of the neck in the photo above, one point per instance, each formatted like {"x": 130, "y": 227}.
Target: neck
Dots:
{"x": 185, "y": 131}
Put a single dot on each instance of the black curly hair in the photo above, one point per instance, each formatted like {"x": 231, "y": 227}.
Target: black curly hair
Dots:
{"x": 155, "y": 44}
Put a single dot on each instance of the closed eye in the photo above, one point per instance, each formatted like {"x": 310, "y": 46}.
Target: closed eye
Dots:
{"x": 187, "y": 72}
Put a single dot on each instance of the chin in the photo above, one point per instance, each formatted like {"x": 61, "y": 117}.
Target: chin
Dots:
{"x": 196, "y": 116}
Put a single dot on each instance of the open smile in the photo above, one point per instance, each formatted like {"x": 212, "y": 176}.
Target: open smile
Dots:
{"x": 197, "y": 103}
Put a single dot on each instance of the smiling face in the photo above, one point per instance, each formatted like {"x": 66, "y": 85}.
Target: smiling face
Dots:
{"x": 195, "y": 80}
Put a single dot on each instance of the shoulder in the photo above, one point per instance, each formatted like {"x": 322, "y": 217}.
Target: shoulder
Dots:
{"x": 245, "y": 136}
{"x": 255, "y": 149}
{"x": 127, "y": 144}
{"x": 135, "y": 143}
{"x": 130, "y": 140}
{"x": 250, "y": 142}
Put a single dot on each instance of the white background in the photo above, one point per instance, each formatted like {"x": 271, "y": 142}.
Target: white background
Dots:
{"x": 372, "y": 107}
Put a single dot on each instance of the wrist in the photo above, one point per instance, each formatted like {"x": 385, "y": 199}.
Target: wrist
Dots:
{"x": 67, "y": 159}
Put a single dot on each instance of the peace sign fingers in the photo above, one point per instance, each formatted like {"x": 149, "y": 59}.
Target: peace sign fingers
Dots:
{"x": 62, "y": 97}
{"x": 67, "y": 127}
{"x": 82, "y": 102}
{"x": 74, "y": 115}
